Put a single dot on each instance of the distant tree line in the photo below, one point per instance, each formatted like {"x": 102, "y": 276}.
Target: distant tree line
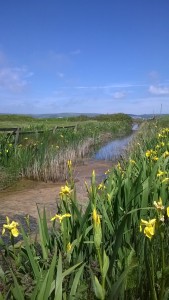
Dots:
{"x": 102, "y": 117}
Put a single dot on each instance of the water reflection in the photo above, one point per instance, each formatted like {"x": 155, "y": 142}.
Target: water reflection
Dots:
{"x": 135, "y": 126}
{"x": 115, "y": 148}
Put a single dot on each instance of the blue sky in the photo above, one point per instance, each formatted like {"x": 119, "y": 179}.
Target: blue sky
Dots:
{"x": 102, "y": 56}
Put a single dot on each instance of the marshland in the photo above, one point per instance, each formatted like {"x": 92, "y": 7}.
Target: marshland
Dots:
{"x": 110, "y": 242}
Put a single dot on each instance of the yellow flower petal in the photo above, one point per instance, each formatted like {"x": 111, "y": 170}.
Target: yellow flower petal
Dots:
{"x": 144, "y": 222}
{"x": 132, "y": 161}
{"x": 15, "y": 232}
{"x": 149, "y": 227}
{"x": 61, "y": 217}
{"x": 168, "y": 211}
{"x": 52, "y": 219}
{"x": 56, "y": 217}
{"x": 152, "y": 222}
{"x": 69, "y": 247}
{"x": 12, "y": 227}
{"x": 3, "y": 231}
{"x": 165, "y": 179}
{"x": 7, "y": 220}
{"x": 65, "y": 190}
{"x": 69, "y": 163}
{"x": 66, "y": 216}
{"x": 161, "y": 173}
{"x": 149, "y": 231}
{"x": 94, "y": 215}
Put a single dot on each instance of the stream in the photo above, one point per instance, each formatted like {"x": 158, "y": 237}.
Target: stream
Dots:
{"x": 115, "y": 148}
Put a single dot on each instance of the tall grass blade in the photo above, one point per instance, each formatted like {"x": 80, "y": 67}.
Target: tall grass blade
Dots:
{"x": 43, "y": 232}
{"x": 33, "y": 261}
{"x": 75, "y": 283}
{"x": 118, "y": 241}
{"x": 17, "y": 290}
{"x": 47, "y": 282}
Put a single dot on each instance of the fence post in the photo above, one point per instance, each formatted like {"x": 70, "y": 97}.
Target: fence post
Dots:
{"x": 16, "y": 136}
{"x": 75, "y": 128}
{"x": 54, "y": 129}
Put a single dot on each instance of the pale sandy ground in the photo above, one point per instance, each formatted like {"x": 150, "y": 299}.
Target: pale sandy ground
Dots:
{"x": 23, "y": 199}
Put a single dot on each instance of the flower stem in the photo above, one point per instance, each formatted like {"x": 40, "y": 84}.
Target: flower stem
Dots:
{"x": 154, "y": 295}
{"x": 162, "y": 268}
{"x": 101, "y": 270}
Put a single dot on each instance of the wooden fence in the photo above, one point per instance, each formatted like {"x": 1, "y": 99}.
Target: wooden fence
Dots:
{"x": 17, "y": 131}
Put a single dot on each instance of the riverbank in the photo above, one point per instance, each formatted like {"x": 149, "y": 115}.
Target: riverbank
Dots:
{"x": 22, "y": 199}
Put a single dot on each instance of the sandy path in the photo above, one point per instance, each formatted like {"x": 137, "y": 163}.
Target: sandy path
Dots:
{"x": 19, "y": 201}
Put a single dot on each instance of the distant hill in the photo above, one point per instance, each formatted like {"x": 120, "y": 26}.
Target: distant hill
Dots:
{"x": 64, "y": 115}
{"x": 147, "y": 116}
{"x": 67, "y": 115}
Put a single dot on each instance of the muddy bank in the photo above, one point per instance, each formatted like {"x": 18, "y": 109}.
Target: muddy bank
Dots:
{"x": 23, "y": 198}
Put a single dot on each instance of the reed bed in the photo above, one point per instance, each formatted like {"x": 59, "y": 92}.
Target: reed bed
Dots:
{"x": 43, "y": 156}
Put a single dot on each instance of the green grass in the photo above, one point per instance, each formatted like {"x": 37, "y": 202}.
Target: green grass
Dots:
{"x": 28, "y": 121}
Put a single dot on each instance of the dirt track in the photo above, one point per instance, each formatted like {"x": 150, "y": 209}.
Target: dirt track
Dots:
{"x": 23, "y": 198}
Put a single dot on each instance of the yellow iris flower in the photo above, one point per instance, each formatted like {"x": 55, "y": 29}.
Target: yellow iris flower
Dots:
{"x": 65, "y": 190}
{"x": 69, "y": 163}
{"x": 165, "y": 180}
{"x": 161, "y": 173}
{"x": 132, "y": 161}
{"x": 167, "y": 210}
{"x": 96, "y": 217}
{"x": 166, "y": 154}
{"x": 101, "y": 186}
{"x": 107, "y": 172}
{"x": 155, "y": 158}
{"x": 119, "y": 166}
{"x": 12, "y": 227}
{"x": 150, "y": 153}
{"x": 159, "y": 205}
{"x": 149, "y": 227}
{"x": 69, "y": 247}
{"x": 60, "y": 217}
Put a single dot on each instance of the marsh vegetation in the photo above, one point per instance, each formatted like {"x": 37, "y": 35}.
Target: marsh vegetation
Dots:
{"x": 43, "y": 156}
{"x": 114, "y": 248}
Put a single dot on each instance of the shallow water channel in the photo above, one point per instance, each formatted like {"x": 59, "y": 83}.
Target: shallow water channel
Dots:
{"x": 115, "y": 148}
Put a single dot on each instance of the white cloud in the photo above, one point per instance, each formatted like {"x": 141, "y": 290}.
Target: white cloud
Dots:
{"x": 67, "y": 102}
{"x": 159, "y": 90}
{"x": 58, "y": 57}
{"x": 154, "y": 75}
{"x": 2, "y": 58}
{"x": 75, "y": 52}
{"x": 102, "y": 86}
{"x": 29, "y": 74}
{"x": 119, "y": 95}
{"x": 13, "y": 79}
{"x": 108, "y": 86}
{"x": 60, "y": 74}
